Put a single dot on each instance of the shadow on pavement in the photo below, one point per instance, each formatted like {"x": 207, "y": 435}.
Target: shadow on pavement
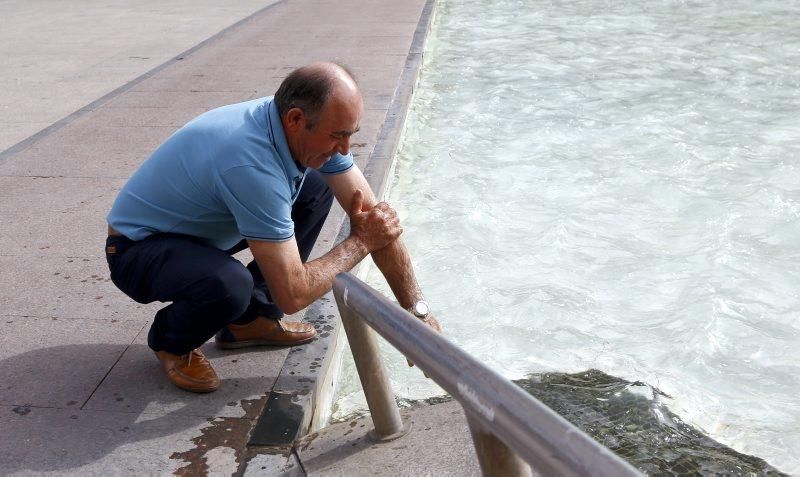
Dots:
{"x": 146, "y": 425}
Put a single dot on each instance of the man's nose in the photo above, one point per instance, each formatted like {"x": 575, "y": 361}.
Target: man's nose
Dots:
{"x": 344, "y": 145}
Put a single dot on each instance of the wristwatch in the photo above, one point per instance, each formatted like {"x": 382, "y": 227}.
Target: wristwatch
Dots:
{"x": 420, "y": 309}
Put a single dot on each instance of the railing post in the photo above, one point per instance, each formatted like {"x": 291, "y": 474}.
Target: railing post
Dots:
{"x": 496, "y": 458}
{"x": 501, "y": 415}
{"x": 373, "y": 376}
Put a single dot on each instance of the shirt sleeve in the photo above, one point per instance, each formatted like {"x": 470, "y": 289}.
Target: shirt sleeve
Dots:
{"x": 337, "y": 164}
{"x": 259, "y": 201}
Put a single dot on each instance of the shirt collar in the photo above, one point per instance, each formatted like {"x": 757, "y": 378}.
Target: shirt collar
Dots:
{"x": 275, "y": 127}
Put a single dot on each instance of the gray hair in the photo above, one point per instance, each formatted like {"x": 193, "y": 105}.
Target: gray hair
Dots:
{"x": 308, "y": 88}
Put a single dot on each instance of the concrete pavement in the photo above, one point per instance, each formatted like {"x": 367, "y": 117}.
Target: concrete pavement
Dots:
{"x": 437, "y": 444}
{"x": 79, "y": 390}
{"x": 60, "y": 56}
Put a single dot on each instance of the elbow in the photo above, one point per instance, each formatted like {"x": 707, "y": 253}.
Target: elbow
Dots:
{"x": 289, "y": 304}
{"x": 291, "y": 309}
{"x": 293, "y": 295}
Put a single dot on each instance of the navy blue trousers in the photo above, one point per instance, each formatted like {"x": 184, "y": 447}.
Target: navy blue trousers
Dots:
{"x": 208, "y": 288}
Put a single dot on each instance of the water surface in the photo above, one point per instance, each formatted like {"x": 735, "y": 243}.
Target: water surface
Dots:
{"x": 615, "y": 185}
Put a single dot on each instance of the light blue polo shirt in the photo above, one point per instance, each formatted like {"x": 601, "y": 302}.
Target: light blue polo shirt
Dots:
{"x": 226, "y": 175}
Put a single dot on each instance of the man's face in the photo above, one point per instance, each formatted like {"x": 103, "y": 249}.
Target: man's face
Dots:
{"x": 330, "y": 131}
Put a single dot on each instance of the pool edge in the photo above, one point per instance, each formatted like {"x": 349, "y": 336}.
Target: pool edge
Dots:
{"x": 303, "y": 392}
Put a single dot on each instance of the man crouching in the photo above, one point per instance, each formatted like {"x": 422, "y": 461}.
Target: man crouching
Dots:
{"x": 260, "y": 174}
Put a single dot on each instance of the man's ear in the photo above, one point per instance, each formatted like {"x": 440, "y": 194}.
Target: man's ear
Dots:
{"x": 295, "y": 119}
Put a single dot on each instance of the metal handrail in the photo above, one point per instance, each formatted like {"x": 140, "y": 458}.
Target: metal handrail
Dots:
{"x": 509, "y": 427}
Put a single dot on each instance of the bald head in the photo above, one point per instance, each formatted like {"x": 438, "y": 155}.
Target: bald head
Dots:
{"x": 313, "y": 86}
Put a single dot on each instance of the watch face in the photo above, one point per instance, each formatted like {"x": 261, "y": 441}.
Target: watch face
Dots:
{"x": 421, "y": 308}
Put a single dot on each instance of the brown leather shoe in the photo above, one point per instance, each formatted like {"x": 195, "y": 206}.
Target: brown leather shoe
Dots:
{"x": 265, "y": 331}
{"x": 191, "y": 372}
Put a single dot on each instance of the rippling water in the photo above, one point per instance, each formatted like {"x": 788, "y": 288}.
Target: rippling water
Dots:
{"x": 615, "y": 185}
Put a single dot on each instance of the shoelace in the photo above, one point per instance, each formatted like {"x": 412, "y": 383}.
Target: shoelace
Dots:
{"x": 189, "y": 357}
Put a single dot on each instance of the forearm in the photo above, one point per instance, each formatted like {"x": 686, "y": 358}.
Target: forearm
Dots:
{"x": 394, "y": 262}
{"x": 392, "y": 259}
{"x": 318, "y": 275}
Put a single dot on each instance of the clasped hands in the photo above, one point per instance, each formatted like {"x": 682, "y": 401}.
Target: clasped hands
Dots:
{"x": 374, "y": 227}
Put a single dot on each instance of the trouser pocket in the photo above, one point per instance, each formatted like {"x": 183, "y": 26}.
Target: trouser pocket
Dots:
{"x": 118, "y": 256}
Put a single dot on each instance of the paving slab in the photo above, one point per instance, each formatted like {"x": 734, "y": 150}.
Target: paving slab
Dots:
{"x": 52, "y": 362}
{"x": 12, "y": 132}
{"x": 438, "y": 443}
{"x": 98, "y": 151}
{"x": 283, "y": 464}
{"x": 74, "y": 442}
{"x": 245, "y": 377}
{"x": 65, "y": 287}
{"x": 172, "y": 106}
{"x": 62, "y": 217}
{"x": 245, "y": 83}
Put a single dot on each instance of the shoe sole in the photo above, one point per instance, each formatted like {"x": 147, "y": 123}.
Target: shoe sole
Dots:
{"x": 197, "y": 387}
{"x": 245, "y": 344}
{"x": 198, "y": 390}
